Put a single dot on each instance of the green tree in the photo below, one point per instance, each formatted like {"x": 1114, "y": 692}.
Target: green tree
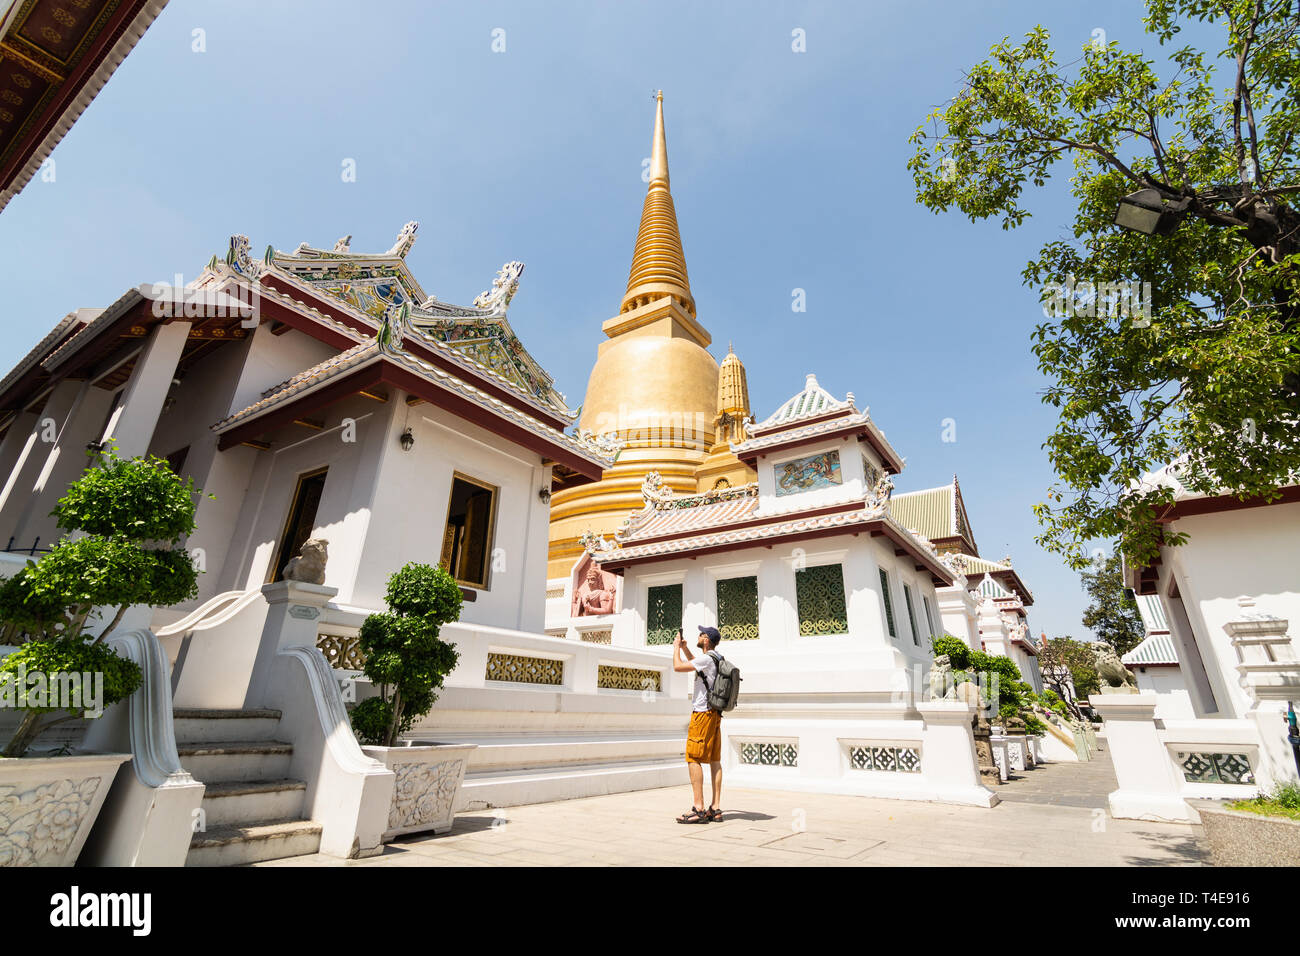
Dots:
{"x": 1059, "y": 656}
{"x": 405, "y": 658}
{"x": 130, "y": 516}
{"x": 1208, "y": 377}
{"x": 1113, "y": 614}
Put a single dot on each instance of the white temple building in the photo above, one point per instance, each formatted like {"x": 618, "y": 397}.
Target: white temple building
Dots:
{"x": 322, "y": 394}
{"x": 825, "y": 601}
{"x": 1230, "y": 596}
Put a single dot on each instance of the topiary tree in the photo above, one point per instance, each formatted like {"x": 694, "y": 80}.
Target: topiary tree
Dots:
{"x": 131, "y": 515}
{"x": 405, "y": 659}
{"x": 956, "y": 649}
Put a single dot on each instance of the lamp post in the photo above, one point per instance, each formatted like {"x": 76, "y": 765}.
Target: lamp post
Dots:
{"x": 1148, "y": 212}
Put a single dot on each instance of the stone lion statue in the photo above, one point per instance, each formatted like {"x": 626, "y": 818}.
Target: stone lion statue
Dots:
{"x": 941, "y": 685}
{"x": 309, "y": 566}
{"x": 1110, "y": 669}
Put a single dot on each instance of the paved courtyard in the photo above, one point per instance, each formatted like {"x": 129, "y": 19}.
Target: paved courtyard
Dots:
{"x": 1051, "y": 816}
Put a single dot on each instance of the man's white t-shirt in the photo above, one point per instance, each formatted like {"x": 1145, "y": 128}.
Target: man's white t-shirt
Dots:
{"x": 706, "y": 668}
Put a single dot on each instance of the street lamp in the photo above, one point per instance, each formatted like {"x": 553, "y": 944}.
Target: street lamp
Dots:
{"x": 1149, "y": 213}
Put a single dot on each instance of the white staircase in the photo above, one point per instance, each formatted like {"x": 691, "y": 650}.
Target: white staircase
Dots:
{"x": 253, "y": 810}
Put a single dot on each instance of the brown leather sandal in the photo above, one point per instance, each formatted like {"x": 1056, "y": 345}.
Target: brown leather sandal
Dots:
{"x": 694, "y": 816}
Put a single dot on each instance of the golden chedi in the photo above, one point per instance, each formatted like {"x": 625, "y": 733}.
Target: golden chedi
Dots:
{"x": 654, "y": 384}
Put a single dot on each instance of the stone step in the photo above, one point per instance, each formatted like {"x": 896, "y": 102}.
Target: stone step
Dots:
{"x": 516, "y": 788}
{"x": 246, "y": 801}
{"x": 206, "y": 726}
{"x": 497, "y": 754}
{"x": 236, "y": 760}
{"x": 254, "y": 842}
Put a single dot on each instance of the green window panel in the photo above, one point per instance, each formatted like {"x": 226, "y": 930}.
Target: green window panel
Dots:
{"x": 738, "y": 608}
{"x": 929, "y": 617}
{"x": 663, "y": 614}
{"x": 889, "y": 602}
{"x": 911, "y": 614}
{"x": 819, "y": 593}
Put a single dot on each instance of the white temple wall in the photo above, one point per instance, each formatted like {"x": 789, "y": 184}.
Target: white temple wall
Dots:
{"x": 1167, "y": 683}
{"x": 410, "y": 514}
{"x": 780, "y": 650}
{"x": 1251, "y": 551}
{"x": 339, "y": 518}
{"x": 64, "y": 463}
{"x": 851, "y": 476}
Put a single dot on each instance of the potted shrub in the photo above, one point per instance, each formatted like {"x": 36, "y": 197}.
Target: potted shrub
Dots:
{"x": 128, "y": 517}
{"x": 406, "y": 661}
{"x": 1263, "y": 830}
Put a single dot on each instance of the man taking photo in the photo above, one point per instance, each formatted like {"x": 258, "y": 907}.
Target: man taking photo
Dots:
{"x": 704, "y": 737}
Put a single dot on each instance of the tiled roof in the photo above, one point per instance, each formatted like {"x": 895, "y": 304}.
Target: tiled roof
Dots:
{"x": 688, "y": 514}
{"x": 808, "y": 415}
{"x": 39, "y": 350}
{"x": 742, "y": 536}
{"x": 1152, "y": 612}
{"x": 931, "y": 512}
{"x": 1156, "y": 649}
{"x": 369, "y": 351}
{"x": 812, "y": 402}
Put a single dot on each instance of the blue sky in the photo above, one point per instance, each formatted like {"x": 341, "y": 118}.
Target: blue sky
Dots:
{"x": 788, "y": 171}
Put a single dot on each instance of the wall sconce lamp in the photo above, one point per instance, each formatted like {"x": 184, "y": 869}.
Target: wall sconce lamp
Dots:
{"x": 407, "y": 440}
{"x": 544, "y": 495}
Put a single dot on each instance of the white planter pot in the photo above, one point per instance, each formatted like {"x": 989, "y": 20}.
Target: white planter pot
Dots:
{"x": 49, "y": 804}
{"x": 429, "y": 776}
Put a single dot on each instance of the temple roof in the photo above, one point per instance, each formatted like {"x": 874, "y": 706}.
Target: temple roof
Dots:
{"x": 1157, "y": 649}
{"x": 374, "y": 283}
{"x": 57, "y": 57}
{"x": 382, "y": 348}
{"x": 939, "y": 514}
{"x": 812, "y": 402}
{"x": 813, "y": 414}
{"x": 728, "y": 518}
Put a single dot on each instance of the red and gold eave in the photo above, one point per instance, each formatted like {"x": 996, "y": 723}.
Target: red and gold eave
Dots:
{"x": 54, "y": 57}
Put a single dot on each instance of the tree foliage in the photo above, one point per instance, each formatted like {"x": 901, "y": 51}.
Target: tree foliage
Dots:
{"x": 124, "y": 520}
{"x": 1078, "y": 662}
{"x": 405, "y": 658}
{"x": 1209, "y": 379}
{"x": 1113, "y": 614}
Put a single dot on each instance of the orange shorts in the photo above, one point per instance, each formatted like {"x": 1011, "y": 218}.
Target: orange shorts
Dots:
{"x": 704, "y": 737}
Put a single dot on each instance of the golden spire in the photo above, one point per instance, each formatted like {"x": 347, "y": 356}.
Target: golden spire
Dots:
{"x": 733, "y": 389}
{"x": 658, "y": 263}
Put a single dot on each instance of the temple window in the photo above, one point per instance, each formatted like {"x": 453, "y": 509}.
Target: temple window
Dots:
{"x": 911, "y": 614}
{"x": 663, "y": 613}
{"x": 467, "y": 539}
{"x": 819, "y": 593}
{"x": 301, "y": 520}
{"x": 929, "y": 616}
{"x": 889, "y": 603}
{"x": 738, "y": 608}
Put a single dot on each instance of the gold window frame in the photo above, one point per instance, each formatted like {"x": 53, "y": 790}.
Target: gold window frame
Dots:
{"x": 495, "y": 491}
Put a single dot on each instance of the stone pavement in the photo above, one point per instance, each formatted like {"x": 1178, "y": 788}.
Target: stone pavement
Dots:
{"x": 1050, "y": 816}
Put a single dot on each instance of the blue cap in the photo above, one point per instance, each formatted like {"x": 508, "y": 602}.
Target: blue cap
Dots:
{"x": 712, "y": 633}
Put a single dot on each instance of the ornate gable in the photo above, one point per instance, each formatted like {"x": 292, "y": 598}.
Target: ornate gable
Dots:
{"x": 375, "y": 284}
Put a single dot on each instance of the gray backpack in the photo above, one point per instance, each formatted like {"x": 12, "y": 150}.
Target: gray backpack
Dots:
{"x": 726, "y": 686}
